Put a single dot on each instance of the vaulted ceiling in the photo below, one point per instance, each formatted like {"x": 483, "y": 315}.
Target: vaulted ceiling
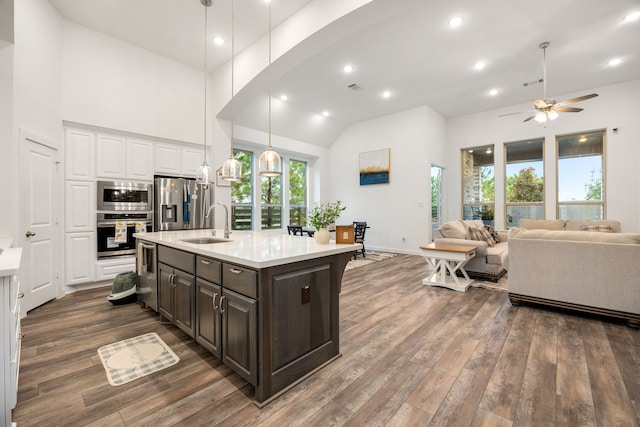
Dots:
{"x": 405, "y": 47}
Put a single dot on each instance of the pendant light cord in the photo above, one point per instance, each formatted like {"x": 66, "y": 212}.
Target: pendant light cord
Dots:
{"x": 270, "y": 79}
{"x": 233, "y": 49}
{"x": 204, "y": 145}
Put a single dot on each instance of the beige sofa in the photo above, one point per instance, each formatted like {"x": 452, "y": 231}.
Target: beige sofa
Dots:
{"x": 594, "y": 272}
{"x": 490, "y": 262}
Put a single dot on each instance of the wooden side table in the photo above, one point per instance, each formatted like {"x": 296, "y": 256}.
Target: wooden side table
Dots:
{"x": 446, "y": 260}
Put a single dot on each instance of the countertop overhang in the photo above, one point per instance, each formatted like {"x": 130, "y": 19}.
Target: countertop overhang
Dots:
{"x": 9, "y": 258}
{"x": 250, "y": 248}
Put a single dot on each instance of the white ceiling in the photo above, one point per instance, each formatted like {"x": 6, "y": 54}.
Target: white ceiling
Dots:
{"x": 406, "y": 47}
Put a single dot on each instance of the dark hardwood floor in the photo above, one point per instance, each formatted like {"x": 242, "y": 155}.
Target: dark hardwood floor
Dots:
{"x": 411, "y": 356}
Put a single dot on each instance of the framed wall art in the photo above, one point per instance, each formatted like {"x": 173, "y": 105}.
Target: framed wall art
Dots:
{"x": 375, "y": 167}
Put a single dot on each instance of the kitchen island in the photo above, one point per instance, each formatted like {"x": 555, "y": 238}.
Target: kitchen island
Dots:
{"x": 266, "y": 304}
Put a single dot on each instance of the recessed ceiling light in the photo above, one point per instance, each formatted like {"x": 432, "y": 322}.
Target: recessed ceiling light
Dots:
{"x": 325, "y": 113}
{"x": 218, "y": 40}
{"x": 348, "y": 68}
{"x": 480, "y": 65}
{"x": 386, "y": 94}
{"x": 614, "y": 62}
{"x": 583, "y": 139}
{"x": 632, "y": 17}
{"x": 493, "y": 92}
{"x": 284, "y": 97}
{"x": 455, "y": 22}
{"x": 489, "y": 151}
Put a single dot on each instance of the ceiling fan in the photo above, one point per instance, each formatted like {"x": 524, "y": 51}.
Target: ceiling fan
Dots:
{"x": 547, "y": 109}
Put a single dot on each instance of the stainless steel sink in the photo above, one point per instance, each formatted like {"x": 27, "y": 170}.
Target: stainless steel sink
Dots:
{"x": 206, "y": 240}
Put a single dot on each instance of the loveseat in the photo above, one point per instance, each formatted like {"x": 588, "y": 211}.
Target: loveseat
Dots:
{"x": 568, "y": 265}
{"x": 491, "y": 260}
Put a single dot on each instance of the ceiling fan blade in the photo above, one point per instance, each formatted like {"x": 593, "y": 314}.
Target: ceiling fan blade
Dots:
{"x": 529, "y": 118}
{"x": 578, "y": 99}
{"x": 511, "y": 114}
{"x": 540, "y": 103}
{"x": 567, "y": 109}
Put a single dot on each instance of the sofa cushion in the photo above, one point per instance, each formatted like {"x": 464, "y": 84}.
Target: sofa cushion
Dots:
{"x": 453, "y": 230}
{"x": 542, "y": 224}
{"x": 577, "y": 225}
{"x": 498, "y": 254}
{"x": 578, "y": 236}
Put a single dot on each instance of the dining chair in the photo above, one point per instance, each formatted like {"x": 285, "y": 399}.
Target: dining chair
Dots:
{"x": 359, "y": 229}
{"x": 294, "y": 230}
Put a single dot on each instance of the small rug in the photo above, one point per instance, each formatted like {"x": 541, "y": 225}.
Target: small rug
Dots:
{"x": 501, "y": 285}
{"x": 135, "y": 357}
{"x": 370, "y": 258}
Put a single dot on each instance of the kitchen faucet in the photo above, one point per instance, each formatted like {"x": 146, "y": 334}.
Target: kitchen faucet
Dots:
{"x": 226, "y": 218}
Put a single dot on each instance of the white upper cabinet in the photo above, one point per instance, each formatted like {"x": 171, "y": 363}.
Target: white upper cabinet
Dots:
{"x": 191, "y": 160}
{"x": 111, "y": 156}
{"x": 139, "y": 160}
{"x": 80, "y": 154}
{"x": 168, "y": 159}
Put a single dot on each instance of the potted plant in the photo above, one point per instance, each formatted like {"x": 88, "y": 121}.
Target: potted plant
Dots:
{"x": 322, "y": 216}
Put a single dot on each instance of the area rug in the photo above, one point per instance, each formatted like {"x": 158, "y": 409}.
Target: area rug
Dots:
{"x": 133, "y": 358}
{"x": 501, "y": 285}
{"x": 370, "y": 258}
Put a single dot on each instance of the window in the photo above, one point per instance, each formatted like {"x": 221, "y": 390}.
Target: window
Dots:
{"x": 525, "y": 184}
{"x": 242, "y": 193}
{"x": 271, "y": 198}
{"x": 581, "y": 186}
{"x": 478, "y": 184}
{"x": 266, "y": 203}
{"x": 297, "y": 192}
{"x": 436, "y": 198}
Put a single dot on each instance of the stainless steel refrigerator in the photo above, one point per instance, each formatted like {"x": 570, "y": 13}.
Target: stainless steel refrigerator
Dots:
{"x": 181, "y": 204}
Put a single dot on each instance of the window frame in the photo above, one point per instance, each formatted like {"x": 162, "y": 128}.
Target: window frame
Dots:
{"x": 602, "y": 202}
{"x": 480, "y": 204}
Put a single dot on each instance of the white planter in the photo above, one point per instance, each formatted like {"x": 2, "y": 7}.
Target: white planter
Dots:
{"x": 322, "y": 236}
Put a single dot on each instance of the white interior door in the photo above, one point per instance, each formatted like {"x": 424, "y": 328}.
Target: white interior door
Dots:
{"x": 39, "y": 210}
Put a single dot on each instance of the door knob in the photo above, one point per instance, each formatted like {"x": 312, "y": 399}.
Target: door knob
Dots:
{"x": 29, "y": 234}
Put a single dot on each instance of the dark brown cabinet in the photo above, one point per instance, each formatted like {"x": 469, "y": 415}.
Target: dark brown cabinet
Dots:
{"x": 226, "y": 320}
{"x": 176, "y": 288}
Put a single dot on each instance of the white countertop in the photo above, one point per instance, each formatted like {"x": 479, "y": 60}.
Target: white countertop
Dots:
{"x": 10, "y": 261}
{"x": 250, "y": 248}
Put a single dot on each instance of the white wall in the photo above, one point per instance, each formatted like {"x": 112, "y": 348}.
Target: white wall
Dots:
{"x": 400, "y": 209}
{"x": 8, "y": 148}
{"x": 617, "y": 106}
{"x": 116, "y": 85}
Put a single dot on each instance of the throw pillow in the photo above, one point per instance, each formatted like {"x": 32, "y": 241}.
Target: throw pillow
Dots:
{"x": 597, "y": 228}
{"x": 482, "y": 235}
{"x": 492, "y": 231}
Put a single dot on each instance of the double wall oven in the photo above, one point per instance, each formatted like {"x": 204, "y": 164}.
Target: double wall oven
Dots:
{"x": 123, "y": 208}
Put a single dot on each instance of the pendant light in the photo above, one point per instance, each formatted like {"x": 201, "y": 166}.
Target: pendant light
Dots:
{"x": 232, "y": 168}
{"x": 269, "y": 163}
{"x": 205, "y": 173}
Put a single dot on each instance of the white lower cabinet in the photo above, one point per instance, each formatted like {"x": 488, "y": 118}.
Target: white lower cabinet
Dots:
{"x": 80, "y": 254}
{"x": 107, "y": 269}
{"x": 10, "y": 341}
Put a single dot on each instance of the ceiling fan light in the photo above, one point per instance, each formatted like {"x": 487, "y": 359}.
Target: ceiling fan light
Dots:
{"x": 552, "y": 115}
{"x": 541, "y": 117}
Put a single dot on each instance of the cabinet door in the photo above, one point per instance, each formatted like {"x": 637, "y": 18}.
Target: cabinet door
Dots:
{"x": 80, "y": 155}
{"x": 80, "y": 256}
{"x": 191, "y": 160}
{"x": 239, "y": 347}
{"x": 168, "y": 159}
{"x": 139, "y": 160}
{"x": 184, "y": 310}
{"x": 79, "y": 206}
{"x": 208, "y": 319}
{"x": 111, "y": 156}
{"x": 165, "y": 291}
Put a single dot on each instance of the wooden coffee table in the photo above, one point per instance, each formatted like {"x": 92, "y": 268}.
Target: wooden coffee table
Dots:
{"x": 446, "y": 260}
